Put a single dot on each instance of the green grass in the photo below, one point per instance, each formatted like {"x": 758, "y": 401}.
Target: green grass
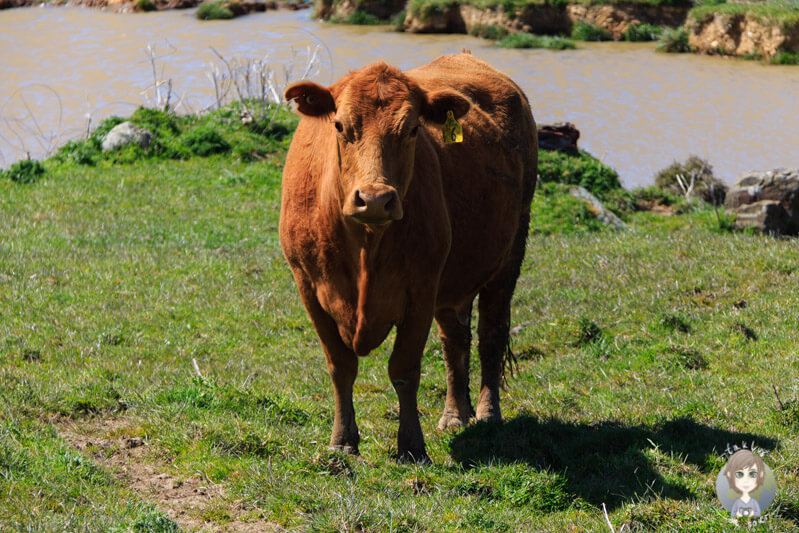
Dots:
{"x": 782, "y": 12}
{"x": 360, "y": 17}
{"x": 635, "y": 367}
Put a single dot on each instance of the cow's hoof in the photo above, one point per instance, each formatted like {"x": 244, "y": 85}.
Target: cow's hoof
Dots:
{"x": 418, "y": 457}
{"x": 450, "y": 421}
{"x": 488, "y": 408}
{"x": 349, "y": 450}
{"x": 488, "y": 415}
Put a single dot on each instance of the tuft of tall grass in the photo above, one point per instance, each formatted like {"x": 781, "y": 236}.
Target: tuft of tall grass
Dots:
{"x": 529, "y": 40}
{"x": 585, "y": 31}
{"x": 642, "y": 32}
{"x": 214, "y": 10}
{"x": 674, "y": 41}
{"x": 360, "y": 17}
{"x": 785, "y": 58}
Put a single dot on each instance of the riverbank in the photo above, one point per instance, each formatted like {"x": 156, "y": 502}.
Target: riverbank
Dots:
{"x": 766, "y": 30}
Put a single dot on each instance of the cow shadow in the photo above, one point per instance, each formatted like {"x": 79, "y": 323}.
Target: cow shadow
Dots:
{"x": 606, "y": 462}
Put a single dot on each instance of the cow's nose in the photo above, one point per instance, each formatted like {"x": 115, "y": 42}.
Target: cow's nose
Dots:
{"x": 375, "y": 204}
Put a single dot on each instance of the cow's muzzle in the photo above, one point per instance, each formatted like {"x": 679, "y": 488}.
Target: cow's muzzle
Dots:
{"x": 374, "y": 204}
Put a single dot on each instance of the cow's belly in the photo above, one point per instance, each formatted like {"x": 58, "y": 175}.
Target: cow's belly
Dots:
{"x": 484, "y": 228}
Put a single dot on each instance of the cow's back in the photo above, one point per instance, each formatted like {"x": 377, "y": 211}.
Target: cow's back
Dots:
{"x": 489, "y": 178}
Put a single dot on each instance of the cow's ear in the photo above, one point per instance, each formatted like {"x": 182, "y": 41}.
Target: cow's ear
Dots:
{"x": 438, "y": 103}
{"x": 312, "y": 99}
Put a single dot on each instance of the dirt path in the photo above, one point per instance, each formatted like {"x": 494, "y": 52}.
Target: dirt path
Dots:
{"x": 131, "y": 459}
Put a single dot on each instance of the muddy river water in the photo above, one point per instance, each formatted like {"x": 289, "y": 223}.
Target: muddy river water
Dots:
{"x": 63, "y": 69}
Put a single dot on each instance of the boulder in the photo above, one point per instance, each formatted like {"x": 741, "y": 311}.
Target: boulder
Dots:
{"x": 561, "y": 137}
{"x": 766, "y": 201}
{"x": 124, "y": 134}
{"x": 598, "y": 209}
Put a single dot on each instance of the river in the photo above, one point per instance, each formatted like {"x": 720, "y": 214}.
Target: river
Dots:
{"x": 62, "y": 70}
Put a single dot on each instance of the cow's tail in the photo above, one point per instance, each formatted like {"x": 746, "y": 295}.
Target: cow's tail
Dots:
{"x": 510, "y": 364}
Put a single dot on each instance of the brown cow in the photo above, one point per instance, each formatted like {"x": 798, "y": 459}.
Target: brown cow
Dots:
{"x": 384, "y": 225}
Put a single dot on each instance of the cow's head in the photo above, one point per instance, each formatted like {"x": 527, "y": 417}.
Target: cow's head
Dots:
{"x": 376, "y": 114}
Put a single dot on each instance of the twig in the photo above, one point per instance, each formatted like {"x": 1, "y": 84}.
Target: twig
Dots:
{"x": 777, "y": 394}
{"x": 607, "y": 518}
{"x": 196, "y": 368}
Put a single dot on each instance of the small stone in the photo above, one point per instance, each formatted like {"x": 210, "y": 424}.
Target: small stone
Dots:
{"x": 134, "y": 442}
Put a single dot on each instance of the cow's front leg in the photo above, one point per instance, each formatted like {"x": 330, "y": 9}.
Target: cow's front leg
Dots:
{"x": 342, "y": 365}
{"x": 343, "y": 369}
{"x": 404, "y": 369}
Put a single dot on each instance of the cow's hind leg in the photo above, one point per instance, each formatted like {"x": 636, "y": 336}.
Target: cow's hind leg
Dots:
{"x": 456, "y": 340}
{"x": 493, "y": 327}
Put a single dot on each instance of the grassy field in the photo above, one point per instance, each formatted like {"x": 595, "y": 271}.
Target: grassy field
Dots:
{"x": 158, "y": 371}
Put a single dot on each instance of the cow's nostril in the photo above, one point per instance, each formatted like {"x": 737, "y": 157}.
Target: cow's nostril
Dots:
{"x": 359, "y": 201}
{"x": 390, "y": 203}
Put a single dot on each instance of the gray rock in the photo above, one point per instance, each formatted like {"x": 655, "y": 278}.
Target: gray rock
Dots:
{"x": 124, "y": 134}
{"x": 766, "y": 201}
{"x": 604, "y": 215}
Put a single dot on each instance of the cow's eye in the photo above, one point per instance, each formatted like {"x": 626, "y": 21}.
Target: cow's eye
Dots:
{"x": 339, "y": 126}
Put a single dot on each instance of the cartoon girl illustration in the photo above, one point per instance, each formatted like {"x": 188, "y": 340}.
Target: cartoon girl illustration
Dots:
{"x": 745, "y": 473}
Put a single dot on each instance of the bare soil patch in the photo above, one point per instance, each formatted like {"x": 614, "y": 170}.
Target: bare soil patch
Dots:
{"x": 112, "y": 443}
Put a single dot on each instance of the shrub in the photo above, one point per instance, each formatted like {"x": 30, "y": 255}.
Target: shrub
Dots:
{"x": 398, "y": 21}
{"x": 25, "y": 171}
{"x": 79, "y": 152}
{"x": 706, "y": 186}
{"x": 620, "y": 201}
{"x": 584, "y": 31}
{"x": 160, "y": 123}
{"x": 488, "y": 31}
{"x": 205, "y": 141}
{"x": 639, "y": 32}
{"x": 785, "y": 58}
{"x": 106, "y": 126}
{"x": 674, "y": 41}
{"x": 166, "y": 128}
{"x": 145, "y": 5}
{"x": 361, "y": 18}
{"x": 579, "y": 168}
{"x": 528, "y": 40}
{"x": 213, "y": 11}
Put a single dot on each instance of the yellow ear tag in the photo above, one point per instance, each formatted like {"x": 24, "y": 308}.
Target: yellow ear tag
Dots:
{"x": 453, "y": 132}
